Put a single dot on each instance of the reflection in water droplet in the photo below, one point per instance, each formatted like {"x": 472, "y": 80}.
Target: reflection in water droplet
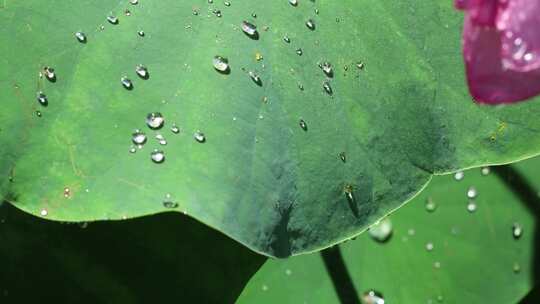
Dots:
{"x": 132, "y": 149}
{"x": 221, "y": 64}
{"x": 155, "y": 120}
{"x": 199, "y": 137}
{"x": 372, "y": 297}
{"x": 381, "y": 231}
{"x": 161, "y": 139}
{"x": 459, "y": 175}
{"x": 430, "y": 205}
{"x": 157, "y": 156}
{"x": 517, "y": 231}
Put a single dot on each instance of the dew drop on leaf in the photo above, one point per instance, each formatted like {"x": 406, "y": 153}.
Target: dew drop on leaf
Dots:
{"x": 372, "y": 297}
{"x": 221, "y": 64}
{"x": 327, "y": 88}
{"x": 157, "y": 156}
{"x": 175, "y": 129}
{"x": 249, "y": 29}
{"x": 429, "y": 246}
{"x": 142, "y": 71}
{"x": 293, "y": 2}
{"x": 310, "y": 24}
{"x": 472, "y": 193}
{"x": 517, "y": 231}
{"x": 42, "y": 99}
{"x": 49, "y": 73}
{"x": 138, "y": 137}
{"x": 430, "y": 205}
{"x": 381, "y": 231}
{"x": 459, "y": 175}
{"x": 471, "y": 206}
{"x": 155, "y": 120}
{"x": 126, "y": 82}
{"x": 199, "y": 137}
{"x": 80, "y": 36}
{"x": 112, "y": 19}
{"x": 169, "y": 203}
{"x": 303, "y": 125}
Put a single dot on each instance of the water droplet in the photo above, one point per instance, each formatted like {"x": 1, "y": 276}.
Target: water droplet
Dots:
{"x": 472, "y": 193}
{"x": 157, "y": 156}
{"x": 440, "y": 298}
{"x": 142, "y": 71}
{"x": 430, "y": 205}
{"x": 360, "y": 65}
{"x": 303, "y": 125}
{"x": 126, "y": 82}
{"x": 155, "y": 120}
{"x": 112, "y": 19}
{"x": 299, "y": 52}
{"x": 161, "y": 140}
{"x": 38, "y": 113}
{"x": 42, "y": 99}
{"x": 310, "y": 24}
{"x": 286, "y": 39}
{"x": 381, "y": 231}
{"x": 199, "y": 136}
{"x": 138, "y": 137}
{"x": 217, "y": 13}
{"x": 293, "y": 2}
{"x": 471, "y": 206}
{"x": 169, "y": 203}
{"x": 437, "y": 264}
{"x": 516, "y": 268}
{"x": 67, "y": 192}
{"x": 327, "y": 88}
{"x": 429, "y": 246}
{"x": 517, "y": 231}
{"x": 485, "y": 171}
{"x": 49, "y": 73}
{"x": 250, "y": 29}
{"x": 132, "y": 149}
{"x": 255, "y": 77}
{"x": 140, "y": 33}
{"x": 411, "y": 232}
{"x": 44, "y": 212}
{"x": 264, "y": 288}
{"x": 327, "y": 69}
{"x": 459, "y": 175}
{"x": 288, "y": 272}
{"x": 127, "y": 12}
{"x": 81, "y": 37}
{"x": 175, "y": 129}
{"x": 372, "y": 297}
{"x": 343, "y": 157}
{"x": 221, "y": 64}
{"x": 134, "y": 2}
{"x": 348, "y": 190}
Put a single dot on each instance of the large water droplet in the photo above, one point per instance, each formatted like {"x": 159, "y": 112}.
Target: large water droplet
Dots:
{"x": 138, "y": 137}
{"x": 169, "y": 203}
{"x": 372, "y": 297}
{"x": 250, "y": 30}
{"x": 157, "y": 156}
{"x": 221, "y": 64}
{"x": 517, "y": 230}
{"x": 155, "y": 120}
{"x": 381, "y": 231}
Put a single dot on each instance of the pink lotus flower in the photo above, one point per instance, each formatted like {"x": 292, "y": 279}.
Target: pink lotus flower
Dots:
{"x": 501, "y": 47}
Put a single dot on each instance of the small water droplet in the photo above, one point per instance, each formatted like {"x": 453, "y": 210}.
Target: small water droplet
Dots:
{"x": 112, "y": 19}
{"x": 38, "y": 113}
{"x": 132, "y": 149}
{"x": 517, "y": 231}
{"x": 411, "y": 232}
{"x": 81, "y": 37}
{"x": 286, "y": 39}
{"x": 471, "y": 206}
{"x": 485, "y": 171}
{"x": 142, "y": 71}
{"x": 155, "y": 120}
{"x": 327, "y": 88}
{"x": 303, "y": 125}
{"x": 293, "y": 2}
{"x": 430, "y": 205}
{"x": 327, "y": 69}
{"x": 42, "y": 99}
{"x": 472, "y": 193}
{"x": 299, "y": 52}
{"x": 381, "y": 231}
{"x": 255, "y": 77}
{"x": 134, "y": 2}
{"x": 372, "y": 297}
{"x": 516, "y": 268}
{"x": 67, "y": 192}
{"x": 288, "y": 272}
{"x": 343, "y": 157}
{"x": 44, "y": 212}
{"x": 127, "y": 12}
{"x": 360, "y": 65}
{"x": 348, "y": 190}
{"x": 217, "y": 13}
{"x": 126, "y": 82}
{"x": 249, "y": 29}
{"x": 169, "y": 203}
{"x": 437, "y": 265}
{"x": 157, "y": 156}
{"x": 175, "y": 129}
{"x": 459, "y": 175}
{"x": 221, "y": 64}
{"x": 161, "y": 139}
{"x": 310, "y": 24}
{"x": 199, "y": 137}
{"x": 429, "y": 246}
{"x": 140, "y": 33}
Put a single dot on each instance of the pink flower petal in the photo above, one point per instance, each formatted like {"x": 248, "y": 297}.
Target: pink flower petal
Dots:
{"x": 501, "y": 47}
